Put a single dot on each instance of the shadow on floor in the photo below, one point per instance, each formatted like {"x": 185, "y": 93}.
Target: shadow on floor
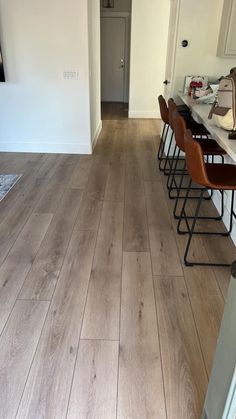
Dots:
{"x": 114, "y": 110}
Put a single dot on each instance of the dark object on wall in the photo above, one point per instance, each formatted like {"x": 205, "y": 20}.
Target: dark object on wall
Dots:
{"x": 184, "y": 43}
{"x": 108, "y": 4}
{"x": 2, "y": 74}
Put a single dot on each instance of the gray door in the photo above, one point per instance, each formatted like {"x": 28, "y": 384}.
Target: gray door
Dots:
{"x": 113, "y": 58}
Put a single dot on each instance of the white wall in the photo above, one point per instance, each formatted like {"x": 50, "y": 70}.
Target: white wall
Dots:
{"x": 149, "y": 33}
{"x": 199, "y": 23}
{"x": 40, "y": 111}
{"x": 94, "y": 68}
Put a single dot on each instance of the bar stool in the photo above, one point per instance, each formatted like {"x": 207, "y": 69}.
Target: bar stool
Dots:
{"x": 198, "y": 130}
{"x": 216, "y": 176}
{"x": 165, "y": 118}
{"x": 209, "y": 147}
{"x": 183, "y": 109}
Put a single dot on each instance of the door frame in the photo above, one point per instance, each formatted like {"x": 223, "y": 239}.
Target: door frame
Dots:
{"x": 173, "y": 20}
{"x": 127, "y": 17}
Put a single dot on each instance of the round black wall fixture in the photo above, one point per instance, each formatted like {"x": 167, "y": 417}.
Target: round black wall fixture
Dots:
{"x": 184, "y": 43}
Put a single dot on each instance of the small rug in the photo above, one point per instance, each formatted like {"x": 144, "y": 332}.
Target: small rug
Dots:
{"x": 6, "y": 183}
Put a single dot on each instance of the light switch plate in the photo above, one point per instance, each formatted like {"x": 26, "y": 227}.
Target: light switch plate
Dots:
{"x": 70, "y": 75}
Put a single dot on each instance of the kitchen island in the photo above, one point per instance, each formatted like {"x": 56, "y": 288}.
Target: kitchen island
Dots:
{"x": 200, "y": 112}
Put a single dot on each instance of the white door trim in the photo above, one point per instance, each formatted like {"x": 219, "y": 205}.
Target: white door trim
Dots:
{"x": 170, "y": 45}
{"x": 126, "y": 16}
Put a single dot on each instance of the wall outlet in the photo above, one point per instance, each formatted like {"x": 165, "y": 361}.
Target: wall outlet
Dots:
{"x": 70, "y": 75}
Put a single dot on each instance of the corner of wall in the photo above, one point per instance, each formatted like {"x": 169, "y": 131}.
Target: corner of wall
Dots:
{"x": 96, "y": 135}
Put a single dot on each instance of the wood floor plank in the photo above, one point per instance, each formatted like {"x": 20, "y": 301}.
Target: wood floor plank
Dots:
{"x": 157, "y": 209}
{"x": 140, "y": 389}
{"x": 89, "y": 212}
{"x": 98, "y": 177}
{"x": 115, "y": 187}
{"x": 94, "y": 386}
{"x": 64, "y": 168}
{"x": 47, "y": 390}
{"x": 81, "y": 172}
{"x": 17, "y": 347}
{"x": 50, "y": 199}
{"x": 185, "y": 379}
{"x": 19, "y": 261}
{"x": 164, "y": 253}
{"x": 48, "y": 167}
{"x": 208, "y": 304}
{"x": 101, "y": 318}
{"x": 135, "y": 215}
{"x": 42, "y": 278}
{"x": 16, "y": 217}
{"x": 149, "y": 166}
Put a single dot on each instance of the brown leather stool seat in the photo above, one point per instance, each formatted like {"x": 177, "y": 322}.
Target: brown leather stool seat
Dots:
{"x": 211, "y": 147}
{"x": 196, "y": 128}
{"x": 219, "y": 177}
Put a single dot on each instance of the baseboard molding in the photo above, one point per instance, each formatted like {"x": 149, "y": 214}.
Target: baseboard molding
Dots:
{"x": 96, "y": 135}
{"x": 144, "y": 114}
{"x": 42, "y": 147}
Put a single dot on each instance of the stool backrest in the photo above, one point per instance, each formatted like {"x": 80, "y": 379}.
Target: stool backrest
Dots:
{"x": 163, "y": 109}
{"x": 172, "y": 107}
{"x": 179, "y": 130}
{"x": 195, "y": 160}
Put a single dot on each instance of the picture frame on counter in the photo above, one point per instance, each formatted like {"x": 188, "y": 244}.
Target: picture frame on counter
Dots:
{"x": 189, "y": 79}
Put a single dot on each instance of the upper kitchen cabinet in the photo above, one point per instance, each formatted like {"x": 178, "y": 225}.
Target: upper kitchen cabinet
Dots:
{"x": 227, "y": 36}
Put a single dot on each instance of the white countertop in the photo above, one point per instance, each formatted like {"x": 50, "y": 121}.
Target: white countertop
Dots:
{"x": 201, "y": 112}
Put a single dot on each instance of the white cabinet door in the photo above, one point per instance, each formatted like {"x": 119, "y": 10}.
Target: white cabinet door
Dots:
{"x": 227, "y": 37}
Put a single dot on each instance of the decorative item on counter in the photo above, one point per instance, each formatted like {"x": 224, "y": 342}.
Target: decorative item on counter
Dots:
{"x": 223, "y": 111}
{"x": 208, "y": 95}
{"x": 193, "y": 84}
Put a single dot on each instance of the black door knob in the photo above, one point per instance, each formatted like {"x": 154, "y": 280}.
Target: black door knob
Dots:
{"x": 166, "y": 82}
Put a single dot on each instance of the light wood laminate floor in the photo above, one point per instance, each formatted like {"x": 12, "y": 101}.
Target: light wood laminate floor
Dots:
{"x": 99, "y": 319}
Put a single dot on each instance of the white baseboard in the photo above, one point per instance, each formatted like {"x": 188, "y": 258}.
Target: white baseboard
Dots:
{"x": 96, "y": 135}
{"x": 42, "y": 147}
{"x": 144, "y": 114}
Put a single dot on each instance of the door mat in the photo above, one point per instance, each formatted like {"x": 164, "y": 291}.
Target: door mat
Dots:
{"x": 7, "y": 181}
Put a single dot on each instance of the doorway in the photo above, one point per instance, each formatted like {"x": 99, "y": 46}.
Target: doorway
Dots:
{"x": 115, "y": 59}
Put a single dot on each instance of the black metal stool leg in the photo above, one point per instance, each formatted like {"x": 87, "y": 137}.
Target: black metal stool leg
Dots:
{"x": 232, "y": 214}
{"x": 163, "y": 168}
{"x": 187, "y": 263}
{"x": 178, "y": 194}
{"x": 162, "y": 149}
{"x": 162, "y": 142}
{"x": 191, "y": 232}
{"x": 171, "y": 163}
{"x": 183, "y": 212}
{"x": 171, "y": 177}
{"x": 167, "y": 158}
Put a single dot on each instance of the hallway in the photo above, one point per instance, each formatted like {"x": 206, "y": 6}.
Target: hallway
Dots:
{"x": 98, "y": 316}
